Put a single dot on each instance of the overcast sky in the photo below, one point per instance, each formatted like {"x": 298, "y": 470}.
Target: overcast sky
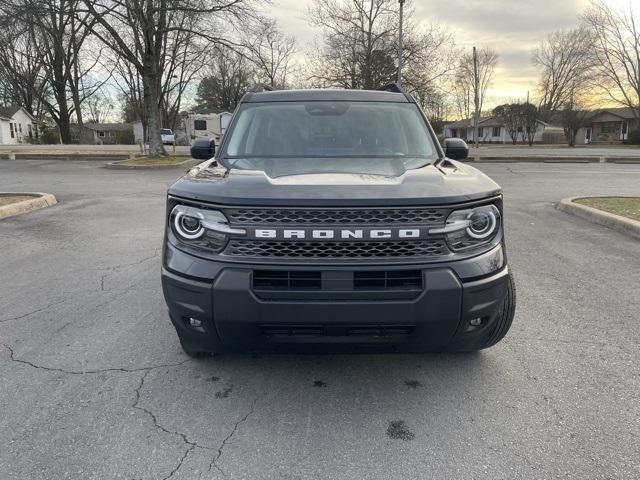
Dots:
{"x": 512, "y": 27}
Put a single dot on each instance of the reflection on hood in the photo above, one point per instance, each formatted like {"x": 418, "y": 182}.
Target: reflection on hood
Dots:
{"x": 286, "y": 167}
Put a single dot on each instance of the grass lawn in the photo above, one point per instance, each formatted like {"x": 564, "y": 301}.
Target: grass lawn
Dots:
{"x": 9, "y": 199}
{"x": 624, "y": 206}
{"x": 151, "y": 161}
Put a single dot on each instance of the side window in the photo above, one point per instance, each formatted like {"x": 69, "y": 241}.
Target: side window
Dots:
{"x": 199, "y": 124}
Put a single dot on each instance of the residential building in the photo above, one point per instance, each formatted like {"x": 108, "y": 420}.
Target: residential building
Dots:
{"x": 17, "y": 126}
{"x": 492, "y": 130}
{"x": 108, "y": 133}
{"x": 608, "y": 126}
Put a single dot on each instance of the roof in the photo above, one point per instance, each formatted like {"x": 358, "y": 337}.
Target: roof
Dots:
{"x": 622, "y": 112}
{"x": 7, "y": 112}
{"x": 107, "y": 127}
{"x": 484, "y": 122}
{"x": 319, "y": 95}
{"x": 468, "y": 123}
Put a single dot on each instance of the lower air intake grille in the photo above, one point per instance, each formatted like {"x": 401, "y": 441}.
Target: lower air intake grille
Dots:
{"x": 338, "y": 250}
{"x": 388, "y": 280}
{"x": 284, "y": 331}
{"x": 286, "y": 280}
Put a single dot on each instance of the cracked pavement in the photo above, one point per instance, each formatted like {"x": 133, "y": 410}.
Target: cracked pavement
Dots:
{"x": 95, "y": 386}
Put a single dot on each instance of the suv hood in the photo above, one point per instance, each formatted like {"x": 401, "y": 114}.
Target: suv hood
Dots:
{"x": 448, "y": 183}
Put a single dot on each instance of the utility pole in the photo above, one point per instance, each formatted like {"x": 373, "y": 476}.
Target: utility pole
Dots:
{"x": 476, "y": 97}
{"x": 400, "y": 46}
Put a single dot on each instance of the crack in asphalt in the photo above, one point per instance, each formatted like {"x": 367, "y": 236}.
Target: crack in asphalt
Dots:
{"x": 136, "y": 405}
{"x": 191, "y": 444}
{"x": 33, "y": 312}
{"x": 116, "y": 268}
{"x": 88, "y": 372}
{"x": 214, "y": 461}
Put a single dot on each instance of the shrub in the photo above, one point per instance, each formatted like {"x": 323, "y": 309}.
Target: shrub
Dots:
{"x": 49, "y": 135}
{"x": 634, "y": 137}
{"x": 124, "y": 137}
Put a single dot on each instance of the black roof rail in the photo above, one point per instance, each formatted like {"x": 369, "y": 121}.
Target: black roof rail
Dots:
{"x": 392, "y": 87}
{"x": 262, "y": 87}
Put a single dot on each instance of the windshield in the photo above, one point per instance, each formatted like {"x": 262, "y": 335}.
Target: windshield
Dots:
{"x": 166, "y": 131}
{"x": 307, "y": 137}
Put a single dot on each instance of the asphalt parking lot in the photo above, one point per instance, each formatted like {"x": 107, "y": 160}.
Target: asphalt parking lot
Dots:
{"x": 95, "y": 386}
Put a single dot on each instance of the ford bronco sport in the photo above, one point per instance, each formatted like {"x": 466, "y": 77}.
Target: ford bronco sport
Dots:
{"x": 333, "y": 220}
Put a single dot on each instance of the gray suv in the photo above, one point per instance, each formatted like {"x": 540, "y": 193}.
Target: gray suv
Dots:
{"x": 333, "y": 220}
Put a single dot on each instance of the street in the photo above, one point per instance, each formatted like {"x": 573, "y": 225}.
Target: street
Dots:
{"x": 95, "y": 385}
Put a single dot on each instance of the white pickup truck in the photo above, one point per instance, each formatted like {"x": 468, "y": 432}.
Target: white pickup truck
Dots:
{"x": 168, "y": 138}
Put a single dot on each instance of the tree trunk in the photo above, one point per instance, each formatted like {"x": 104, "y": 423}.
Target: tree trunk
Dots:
{"x": 65, "y": 130}
{"x": 151, "y": 95}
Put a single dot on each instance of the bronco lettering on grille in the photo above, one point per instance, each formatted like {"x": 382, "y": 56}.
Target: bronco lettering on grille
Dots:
{"x": 343, "y": 234}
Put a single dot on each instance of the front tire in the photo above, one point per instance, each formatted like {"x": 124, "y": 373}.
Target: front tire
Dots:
{"x": 505, "y": 316}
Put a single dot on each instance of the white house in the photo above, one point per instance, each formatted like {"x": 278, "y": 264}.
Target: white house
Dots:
{"x": 17, "y": 126}
{"x": 492, "y": 130}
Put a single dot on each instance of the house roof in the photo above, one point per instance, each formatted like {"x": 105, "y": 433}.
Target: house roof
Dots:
{"x": 107, "y": 127}
{"x": 9, "y": 111}
{"x": 482, "y": 122}
{"x": 622, "y": 112}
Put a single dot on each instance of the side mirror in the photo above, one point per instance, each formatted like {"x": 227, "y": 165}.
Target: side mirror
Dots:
{"x": 203, "y": 149}
{"x": 456, "y": 148}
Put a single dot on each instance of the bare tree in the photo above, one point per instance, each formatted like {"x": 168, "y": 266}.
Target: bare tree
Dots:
{"x": 464, "y": 82}
{"x": 530, "y": 116}
{"x": 60, "y": 32}
{"x": 463, "y": 96}
{"x": 359, "y": 46}
{"x": 510, "y": 114}
{"x": 229, "y": 76}
{"x": 98, "y": 108}
{"x": 138, "y": 31}
{"x": 271, "y": 51}
{"x": 22, "y": 75}
{"x": 617, "y": 53}
{"x": 567, "y": 62}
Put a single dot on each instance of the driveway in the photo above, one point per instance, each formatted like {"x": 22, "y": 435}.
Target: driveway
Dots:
{"x": 95, "y": 386}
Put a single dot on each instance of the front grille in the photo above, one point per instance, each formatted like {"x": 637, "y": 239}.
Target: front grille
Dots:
{"x": 337, "y": 250}
{"x": 302, "y": 280}
{"x": 326, "y": 216}
{"x": 288, "y": 331}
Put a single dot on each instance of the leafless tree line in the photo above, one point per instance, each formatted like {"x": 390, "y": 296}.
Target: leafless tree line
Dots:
{"x": 63, "y": 58}
{"x": 594, "y": 64}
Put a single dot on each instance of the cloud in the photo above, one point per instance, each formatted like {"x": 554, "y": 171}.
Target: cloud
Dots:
{"x": 512, "y": 27}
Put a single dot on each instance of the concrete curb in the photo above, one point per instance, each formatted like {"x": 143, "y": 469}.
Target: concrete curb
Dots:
{"x": 119, "y": 166}
{"x": 39, "y": 200}
{"x": 533, "y": 159}
{"x": 610, "y": 220}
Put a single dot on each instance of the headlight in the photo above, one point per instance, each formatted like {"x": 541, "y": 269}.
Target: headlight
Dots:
{"x": 201, "y": 228}
{"x": 471, "y": 228}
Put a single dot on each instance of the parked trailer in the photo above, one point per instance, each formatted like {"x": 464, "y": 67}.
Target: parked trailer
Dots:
{"x": 206, "y": 125}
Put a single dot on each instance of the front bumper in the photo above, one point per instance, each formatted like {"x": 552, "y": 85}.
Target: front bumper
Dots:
{"x": 236, "y": 316}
